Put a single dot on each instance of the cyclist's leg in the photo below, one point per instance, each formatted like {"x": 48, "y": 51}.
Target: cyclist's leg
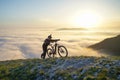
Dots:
{"x": 42, "y": 55}
{"x": 44, "y": 51}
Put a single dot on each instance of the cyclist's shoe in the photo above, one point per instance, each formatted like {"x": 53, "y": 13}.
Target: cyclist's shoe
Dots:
{"x": 42, "y": 56}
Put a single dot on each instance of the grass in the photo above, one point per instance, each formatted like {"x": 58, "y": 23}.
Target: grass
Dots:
{"x": 71, "y": 68}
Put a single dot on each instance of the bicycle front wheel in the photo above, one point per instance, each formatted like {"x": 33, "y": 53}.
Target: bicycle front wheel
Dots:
{"x": 50, "y": 53}
{"x": 62, "y": 51}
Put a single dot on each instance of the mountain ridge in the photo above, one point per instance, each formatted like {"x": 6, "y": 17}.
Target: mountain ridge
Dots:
{"x": 110, "y": 46}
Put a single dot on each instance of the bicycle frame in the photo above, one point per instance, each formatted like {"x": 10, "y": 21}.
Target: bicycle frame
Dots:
{"x": 54, "y": 47}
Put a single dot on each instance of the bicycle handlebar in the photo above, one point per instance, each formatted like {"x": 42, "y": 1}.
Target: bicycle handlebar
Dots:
{"x": 57, "y": 40}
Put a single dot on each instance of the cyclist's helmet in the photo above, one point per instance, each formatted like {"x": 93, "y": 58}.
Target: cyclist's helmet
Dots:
{"x": 50, "y": 36}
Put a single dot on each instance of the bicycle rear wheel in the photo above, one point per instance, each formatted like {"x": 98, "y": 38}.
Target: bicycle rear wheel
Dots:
{"x": 62, "y": 51}
{"x": 50, "y": 53}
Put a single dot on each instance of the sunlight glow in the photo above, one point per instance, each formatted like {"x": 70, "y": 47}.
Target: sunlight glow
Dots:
{"x": 87, "y": 20}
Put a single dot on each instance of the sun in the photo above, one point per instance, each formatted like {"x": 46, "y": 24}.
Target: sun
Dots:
{"x": 87, "y": 20}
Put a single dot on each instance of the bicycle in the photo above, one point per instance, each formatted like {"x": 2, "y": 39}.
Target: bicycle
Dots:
{"x": 56, "y": 48}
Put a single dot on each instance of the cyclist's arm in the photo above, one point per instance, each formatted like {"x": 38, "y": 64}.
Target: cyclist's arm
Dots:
{"x": 54, "y": 40}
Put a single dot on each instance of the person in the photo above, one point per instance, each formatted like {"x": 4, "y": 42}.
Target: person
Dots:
{"x": 47, "y": 41}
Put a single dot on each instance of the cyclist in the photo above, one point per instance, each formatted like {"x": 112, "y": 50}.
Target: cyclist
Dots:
{"x": 47, "y": 41}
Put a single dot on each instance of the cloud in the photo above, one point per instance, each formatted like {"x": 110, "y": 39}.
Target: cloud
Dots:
{"x": 19, "y": 47}
{"x": 79, "y": 49}
{"x": 29, "y": 51}
{"x": 60, "y": 29}
{"x": 30, "y": 46}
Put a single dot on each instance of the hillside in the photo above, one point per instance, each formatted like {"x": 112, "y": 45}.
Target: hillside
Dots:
{"x": 71, "y": 68}
{"x": 109, "y": 45}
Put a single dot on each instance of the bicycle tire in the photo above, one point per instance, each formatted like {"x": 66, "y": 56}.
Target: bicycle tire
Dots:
{"x": 50, "y": 53}
{"x": 62, "y": 51}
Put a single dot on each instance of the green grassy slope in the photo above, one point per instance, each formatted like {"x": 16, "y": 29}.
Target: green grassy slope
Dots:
{"x": 71, "y": 68}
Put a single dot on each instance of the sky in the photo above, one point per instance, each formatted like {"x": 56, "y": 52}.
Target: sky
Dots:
{"x": 37, "y": 13}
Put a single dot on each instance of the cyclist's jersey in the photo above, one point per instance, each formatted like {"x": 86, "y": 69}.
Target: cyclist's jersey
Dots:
{"x": 47, "y": 42}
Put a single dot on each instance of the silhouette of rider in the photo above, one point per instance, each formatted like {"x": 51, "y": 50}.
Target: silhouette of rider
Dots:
{"x": 47, "y": 41}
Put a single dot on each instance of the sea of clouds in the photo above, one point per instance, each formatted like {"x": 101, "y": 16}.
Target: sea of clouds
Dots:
{"x": 24, "y": 44}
